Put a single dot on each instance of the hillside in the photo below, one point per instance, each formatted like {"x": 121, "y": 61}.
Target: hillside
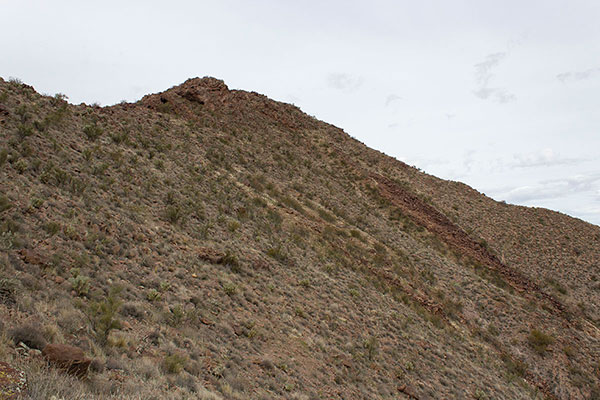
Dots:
{"x": 212, "y": 243}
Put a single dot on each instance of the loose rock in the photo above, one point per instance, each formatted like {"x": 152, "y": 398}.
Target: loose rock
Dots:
{"x": 69, "y": 358}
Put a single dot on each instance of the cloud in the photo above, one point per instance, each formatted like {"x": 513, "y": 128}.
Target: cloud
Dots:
{"x": 544, "y": 158}
{"x": 391, "y": 98}
{"x": 344, "y": 82}
{"x": 483, "y": 70}
{"x": 578, "y": 76}
{"x": 483, "y": 77}
{"x": 469, "y": 160}
{"x": 292, "y": 99}
{"x": 499, "y": 95}
{"x": 590, "y": 214}
{"x": 551, "y": 189}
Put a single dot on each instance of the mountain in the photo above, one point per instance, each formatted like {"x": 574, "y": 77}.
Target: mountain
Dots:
{"x": 212, "y": 243}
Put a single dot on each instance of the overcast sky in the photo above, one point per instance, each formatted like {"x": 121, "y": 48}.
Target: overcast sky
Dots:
{"x": 502, "y": 95}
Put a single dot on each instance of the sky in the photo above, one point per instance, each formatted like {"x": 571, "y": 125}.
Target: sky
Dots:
{"x": 501, "y": 95}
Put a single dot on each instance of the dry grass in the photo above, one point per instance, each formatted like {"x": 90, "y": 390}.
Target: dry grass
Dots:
{"x": 250, "y": 241}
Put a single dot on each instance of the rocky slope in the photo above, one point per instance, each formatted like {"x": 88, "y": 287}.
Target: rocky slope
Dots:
{"x": 212, "y": 243}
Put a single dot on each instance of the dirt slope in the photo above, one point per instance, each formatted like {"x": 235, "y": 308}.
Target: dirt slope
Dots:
{"x": 256, "y": 252}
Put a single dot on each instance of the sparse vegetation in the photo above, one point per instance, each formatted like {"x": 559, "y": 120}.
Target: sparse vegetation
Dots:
{"x": 263, "y": 254}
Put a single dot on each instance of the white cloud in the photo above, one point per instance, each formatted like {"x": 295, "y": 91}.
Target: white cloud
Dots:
{"x": 544, "y": 158}
{"x": 578, "y": 75}
{"x": 345, "y": 82}
{"x": 551, "y": 189}
{"x": 483, "y": 70}
{"x": 499, "y": 95}
{"x": 391, "y": 98}
{"x": 483, "y": 76}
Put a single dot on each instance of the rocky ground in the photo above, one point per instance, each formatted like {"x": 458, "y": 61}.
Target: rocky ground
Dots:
{"x": 212, "y": 243}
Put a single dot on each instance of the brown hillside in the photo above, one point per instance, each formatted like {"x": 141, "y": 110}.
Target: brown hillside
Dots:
{"x": 212, "y": 243}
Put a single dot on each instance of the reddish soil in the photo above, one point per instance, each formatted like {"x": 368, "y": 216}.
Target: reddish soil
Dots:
{"x": 435, "y": 222}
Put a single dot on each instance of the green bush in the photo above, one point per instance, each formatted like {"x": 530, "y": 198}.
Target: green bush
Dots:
{"x": 174, "y": 214}
{"x": 539, "y": 341}
{"x": 371, "y": 345}
{"x": 79, "y": 283}
{"x": 153, "y": 295}
{"x": 229, "y": 288}
{"x": 5, "y": 204}
{"x": 103, "y": 315}
{"x": 231, "y": 261}
{"x": 174, "y": 363}
{"x": 93, "y": 131}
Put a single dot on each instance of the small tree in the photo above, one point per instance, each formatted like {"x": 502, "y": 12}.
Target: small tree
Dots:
{"x": 103, "y": 315}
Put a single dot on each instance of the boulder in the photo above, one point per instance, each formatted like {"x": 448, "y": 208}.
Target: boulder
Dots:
{"x": 211, "y": 255}
{"x": 13, "y": 382}
{"x": 69, "y": 358}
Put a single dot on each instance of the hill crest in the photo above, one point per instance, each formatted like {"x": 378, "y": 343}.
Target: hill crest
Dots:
{"x": 262, "y": 253}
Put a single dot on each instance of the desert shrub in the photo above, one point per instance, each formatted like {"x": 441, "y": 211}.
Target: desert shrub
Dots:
{"x": 147, "y": 369}
{"x": 326, "y": 215}
{"x": 299, "y": 311}
{"x": 173, "y": 214}
{"x": 103, "y": 315}
{"x": 176, "y": 315}
{"x": 3, "y": 156}
{"x": 5, "y": 204}
{"x": 132, "y": 310}
{"x": 153, "y": 295}
{"x": 8, "y": 290}
{"x": 293, "y": 203}
{"x": 24, "y": 130}
{"x": 371, "y": 344}
{"x": 231, "y": 260}
{"x": 230, "y": 288}
{"x": 79, "y": 283}
{"x": 278, "y": 253}
{"x": 174, "y": 363}
{"x": 515, "y": 367}
{"x": 92, "y": 131}
{"x": 493, "y": 330}
{"x": 36, "y": 202}
{"x": 120, "y": 137}
{"x": 539, "y": 341}
{"x": 557, "y": 286}
{"x": 28, "y": 334}
{"x": 21, "y": 166}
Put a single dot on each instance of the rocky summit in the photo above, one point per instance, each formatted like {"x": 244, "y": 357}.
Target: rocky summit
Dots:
{"x": 208, "y": 243}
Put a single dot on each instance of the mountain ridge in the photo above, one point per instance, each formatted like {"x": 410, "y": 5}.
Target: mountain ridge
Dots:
{"x": 313, "y": 260}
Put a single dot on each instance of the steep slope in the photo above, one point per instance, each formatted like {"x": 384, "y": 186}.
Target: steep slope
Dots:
{"x": 264, "y": 254}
